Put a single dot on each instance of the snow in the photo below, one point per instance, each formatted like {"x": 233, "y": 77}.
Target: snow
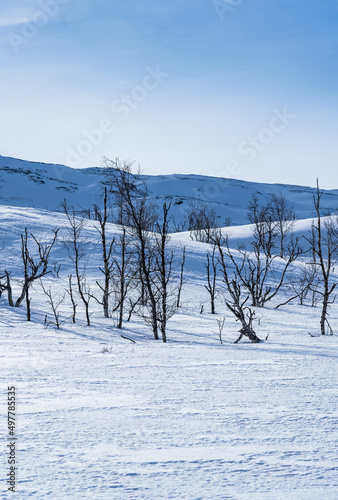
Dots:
{"x": 101, "y": 417}
{"x": 45, "y": 186}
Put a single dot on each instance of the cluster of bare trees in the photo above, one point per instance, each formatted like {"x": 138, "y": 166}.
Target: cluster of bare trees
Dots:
{"x": 35, "y": 265}
{"x": 252, "y": 277}
{"x": 201, "y": 221}
{"x": 140, "y": 272}
{"x": 157, "y": 271}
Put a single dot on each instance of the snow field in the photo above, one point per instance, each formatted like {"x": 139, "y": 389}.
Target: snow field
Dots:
{"x": 100, "y": 417}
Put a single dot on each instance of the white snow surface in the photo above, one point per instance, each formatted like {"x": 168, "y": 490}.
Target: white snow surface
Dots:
{"x": 190, "y": 419}
{"x": 41, "y": 185}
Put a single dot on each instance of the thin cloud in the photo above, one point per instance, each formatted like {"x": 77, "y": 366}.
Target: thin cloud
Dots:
{"x": 6, "y": 22}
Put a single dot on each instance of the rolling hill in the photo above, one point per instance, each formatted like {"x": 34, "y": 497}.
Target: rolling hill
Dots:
{"x": 40, "y": 185}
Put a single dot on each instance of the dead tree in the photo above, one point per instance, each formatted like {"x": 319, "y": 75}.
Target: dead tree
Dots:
{"x": 201, "y": 222}
{"x": 265, "y": 230}
{"x": 2, "y": 285}
{"x": 54, "y": 303}
{"x": 72, "y": 298}
{"x": 7, "y": 286}
{"x": 124, "y": 275}
{"x": 57, "y": 268}
{"x": 211, "y": 268}
{"x": 257, "y": 270}
{"x": 76, "y": 248}
{"x": 284, "y": 217}
{"x": 273, "y": 222}
{"x": 307, "y": 281}
{"x": 324, "y": 242}
{"x": 220, "y": 324}
{"x": 107, "y": 247}
{"x": 133, "y": 306}
{"x": 237, "y": 300}
{"x": 154, "y": 257}
{"x": 180, "y": 285}
{"x": 164, "y": 273}
{"x": 34, "y": 268}
{"x": 141, "y": 216}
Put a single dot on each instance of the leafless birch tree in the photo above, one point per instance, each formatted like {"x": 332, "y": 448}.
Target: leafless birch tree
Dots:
{"x": 77, "y": 251}
{"x": 103, "y": 216}
{"x": 211, "y": 267}
{"x": 142, "y": 215}
{"x": 34, "y": 268}
{"x": 324, "y": 247}
{"x": 237, "y": 298}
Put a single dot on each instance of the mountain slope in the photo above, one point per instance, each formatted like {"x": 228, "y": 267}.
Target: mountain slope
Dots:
{"x": 40, "y": 185}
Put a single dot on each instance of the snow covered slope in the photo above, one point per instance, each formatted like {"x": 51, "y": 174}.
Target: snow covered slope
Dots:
{"x": 100, "y": 417}
{"x": 42, "y": 185}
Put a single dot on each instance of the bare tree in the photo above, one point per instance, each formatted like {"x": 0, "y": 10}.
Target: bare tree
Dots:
{"x": 164, "y": 273}
{"x": 6, "y": 286}
{"x": 284, "y": 217}
{"x": 211, "y": 268}
{"x": 180, "y": 286}
{"x": 273, "y": 222}
{"x": 257, "y": 270}
{"x": 124, "y": 275}
{"x": 180, "y": 226}
{"x": 308, "y": 280}
{"x": 76, "y": 247}
{"x": 141, "y": 216}
{"x": 54, "y": 302}
{"x": 3, "y": 286}
{"x": 70, "y": 292}
{"x": 201, "y": 221}
{"x": 134, "y": 304}
{"x": 154, "y": 256}
{"x": 220, "y": 324}
{"x": 34, "y": 268}
{"x": 324, "y": 242}
{"x": 112, "y": 170}
{"x": 107, "y": 247}
{"x": 238, "y": 298}
{"x": 264, "y": 227}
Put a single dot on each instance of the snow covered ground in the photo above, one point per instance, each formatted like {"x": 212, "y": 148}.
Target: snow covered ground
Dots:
{"x": 40, "y": 185}
{"x": 101, "y": 417}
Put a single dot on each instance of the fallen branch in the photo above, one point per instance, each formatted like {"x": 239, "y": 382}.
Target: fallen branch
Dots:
{"x": 127, "y": 338}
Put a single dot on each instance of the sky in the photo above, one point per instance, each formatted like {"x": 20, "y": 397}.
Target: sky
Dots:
{"x": 231, "y": 88}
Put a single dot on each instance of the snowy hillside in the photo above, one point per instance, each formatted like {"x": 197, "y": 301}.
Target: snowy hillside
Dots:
{"x": 44, "y": 186}
{"x": 101, "y": 417}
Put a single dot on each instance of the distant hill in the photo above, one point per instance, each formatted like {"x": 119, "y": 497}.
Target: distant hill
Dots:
{"x": 41, "y": 185}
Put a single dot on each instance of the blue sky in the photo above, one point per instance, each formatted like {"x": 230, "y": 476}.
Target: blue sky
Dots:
{"x": 244, "y": 89}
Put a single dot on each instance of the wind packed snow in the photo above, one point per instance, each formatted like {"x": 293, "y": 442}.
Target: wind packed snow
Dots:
{"x": 100, "y": 417}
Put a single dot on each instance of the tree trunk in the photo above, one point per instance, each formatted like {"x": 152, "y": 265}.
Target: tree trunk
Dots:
{"x": 87, "y": 313}
{"x": 324, "y": 310}
{"x": 28, "y": 306}
{"x": 9, "y": 289}
{"x": 105, "y": 300}
{"x": 178, "y": 303}
{"x": 213, "y": 305}
{"x": 21, "y": 298}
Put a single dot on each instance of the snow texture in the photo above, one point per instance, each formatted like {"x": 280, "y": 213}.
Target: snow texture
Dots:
{"x": 101, "y": 417}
